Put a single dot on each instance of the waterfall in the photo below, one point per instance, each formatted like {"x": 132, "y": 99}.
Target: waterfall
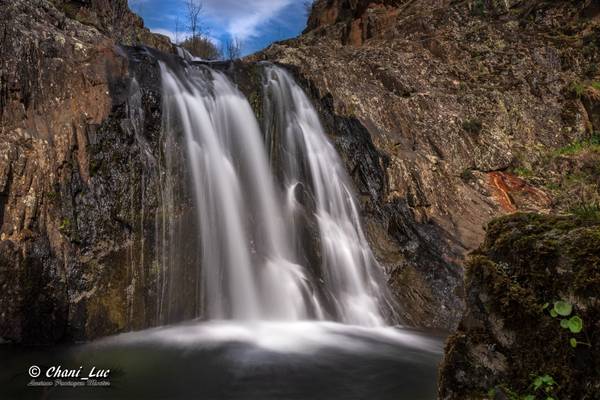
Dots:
{"x": 278, "y": 228}
{"x": 309, "y": 161}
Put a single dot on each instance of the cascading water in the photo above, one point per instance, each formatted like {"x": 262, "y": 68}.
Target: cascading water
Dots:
{"x": 250, "y": 236}
{"x": 309, "y": 161}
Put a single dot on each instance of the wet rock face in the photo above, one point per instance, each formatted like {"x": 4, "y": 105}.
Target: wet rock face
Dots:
{"x": 450, "y": 97}
{"x": 78, "y": 179}
{"x": 507, "y": 336}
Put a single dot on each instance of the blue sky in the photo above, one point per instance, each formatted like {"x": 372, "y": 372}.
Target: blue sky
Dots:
{"x": 257, "y": 23}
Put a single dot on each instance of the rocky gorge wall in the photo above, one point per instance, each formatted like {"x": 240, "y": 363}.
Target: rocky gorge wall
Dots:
{"x": 447, "y": 114}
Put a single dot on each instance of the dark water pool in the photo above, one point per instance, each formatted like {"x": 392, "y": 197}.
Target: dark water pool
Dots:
{"x": 265, "y": 361}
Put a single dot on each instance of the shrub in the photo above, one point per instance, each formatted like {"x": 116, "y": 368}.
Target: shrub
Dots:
{"x": 202, "y": 47}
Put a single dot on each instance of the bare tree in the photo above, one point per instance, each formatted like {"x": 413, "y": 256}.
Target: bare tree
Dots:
{"x": 177, "y": 30}
{"x": 194, "y": 10}
{"x": 233, "y": 48}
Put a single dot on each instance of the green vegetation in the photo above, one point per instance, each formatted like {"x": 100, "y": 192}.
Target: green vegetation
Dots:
{"x": 570, "y": 175}
{"x": 543, "y": 387}
{"x": 527, "y": 260}
{"x": 587, "y": 211}
{"x": 544, "y": 384}
{"x": 65, "y": 226}
{"x": 523, "y": 172}
{"x": 579, "y": 89}
{"x": 590, "y": 144}
{"x": 51, "y": 196}
{"x": 202, "y": 47}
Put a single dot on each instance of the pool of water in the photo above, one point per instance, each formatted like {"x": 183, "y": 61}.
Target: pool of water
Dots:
{"x": 222, "y": 360}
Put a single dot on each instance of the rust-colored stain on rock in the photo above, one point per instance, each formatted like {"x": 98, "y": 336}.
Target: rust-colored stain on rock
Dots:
{"x": 513, "y": 193}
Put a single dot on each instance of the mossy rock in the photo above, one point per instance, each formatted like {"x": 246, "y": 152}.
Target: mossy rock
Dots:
{"x": 526, "y": 262}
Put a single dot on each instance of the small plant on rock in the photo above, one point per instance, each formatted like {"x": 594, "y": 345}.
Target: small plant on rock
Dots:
{"x": 563, "y": 310}
{"x": 65, "y": 226}
{"x": 581, "y": 89}
{"x": 543, "y": 387}
{"x": 523, "y": 172}
{"x": 544, "y": 384}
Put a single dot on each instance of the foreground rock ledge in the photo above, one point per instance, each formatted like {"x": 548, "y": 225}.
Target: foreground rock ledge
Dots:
{"x": 506, "y": 337}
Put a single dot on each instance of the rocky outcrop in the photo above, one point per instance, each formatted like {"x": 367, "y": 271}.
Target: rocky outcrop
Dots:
{"x": 434, "y": 105}
{"x": 114, "y": 19}
{"x": 508, "y": 338}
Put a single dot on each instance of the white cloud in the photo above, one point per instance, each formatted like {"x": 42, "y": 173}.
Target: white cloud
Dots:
{"x": 243, "y": 18}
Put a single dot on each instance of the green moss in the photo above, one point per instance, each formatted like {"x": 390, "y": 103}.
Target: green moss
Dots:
{"x": 528, "y": 260}
{"x": 576, "y": 89}
{"x": 52, "y": 195}
{"x": 523, "y": 172}
{"x": 473, "y": 126}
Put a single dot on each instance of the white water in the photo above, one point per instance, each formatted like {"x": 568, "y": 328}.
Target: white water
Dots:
{"x": 251, "y": 268}
{"x": 300, "y": 337}
{"x": 350, "y": 270}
